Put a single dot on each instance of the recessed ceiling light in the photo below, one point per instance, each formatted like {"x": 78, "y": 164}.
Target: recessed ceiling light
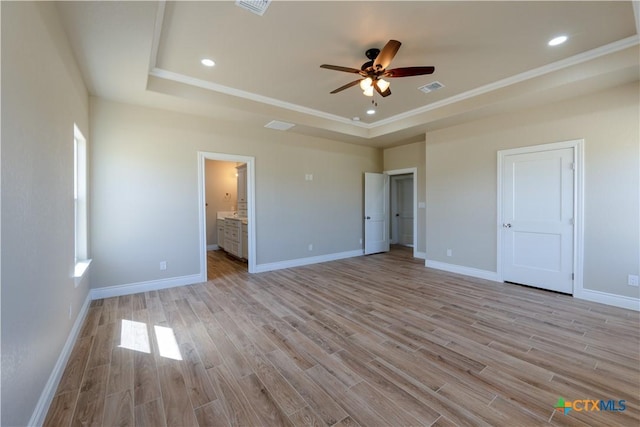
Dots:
{"x": 208, "y": 62}
{"x": 371, "y": 112}
{"x": 557, "y": 40}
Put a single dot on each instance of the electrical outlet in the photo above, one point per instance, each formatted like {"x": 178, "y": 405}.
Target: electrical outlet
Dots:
{"x": 163, "y": 265}
{"x": 632, "y": 280}
{"x": 360, "y": 242}
{"x": 310, "y": 247}
{"x": 70, "y": 311}
{"x": 449, "y": 252}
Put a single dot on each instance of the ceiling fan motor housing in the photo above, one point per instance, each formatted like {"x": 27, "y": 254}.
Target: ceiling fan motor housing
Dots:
{"x": 372, "y": 53}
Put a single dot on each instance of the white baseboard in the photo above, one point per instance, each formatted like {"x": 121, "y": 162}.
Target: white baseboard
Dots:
{"x": 420, "y": 255}
{"x": 44, "y": 402}
{"x": 459, "y": 269}
{"x": 49, "y": 391}
{"x": 261, "y": 268}
{"x": 629, "y": 303}
{"x": 151, "y": 285}
{"x": 212, "y": 247}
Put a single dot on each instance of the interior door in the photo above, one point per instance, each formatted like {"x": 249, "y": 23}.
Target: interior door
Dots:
{"x": 376, "y": 213}
{"x": 537, "y": 219}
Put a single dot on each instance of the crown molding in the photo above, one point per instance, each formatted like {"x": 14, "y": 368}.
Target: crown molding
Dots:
{"x": 636, "y": 13}
{"x": 518, "y": 78}
{"x": 155, "y": 71}
{"x": 157, "y": 31}
{"x": 205, "y": 84}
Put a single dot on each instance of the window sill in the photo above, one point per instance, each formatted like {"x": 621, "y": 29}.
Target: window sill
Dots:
{"x": 80, "y": 271}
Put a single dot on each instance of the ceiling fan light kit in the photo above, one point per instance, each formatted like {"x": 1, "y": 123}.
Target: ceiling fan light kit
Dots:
{"x": 373, "y": 71}
{"x": 366, "y": 83}
{"x": 383, "y": 84}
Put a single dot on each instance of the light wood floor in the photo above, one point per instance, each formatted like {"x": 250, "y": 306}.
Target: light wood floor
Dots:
{"x": 370, "y": 341}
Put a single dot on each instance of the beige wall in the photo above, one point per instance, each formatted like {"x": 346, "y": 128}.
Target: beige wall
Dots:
{"x": 145, "y": 201}
{"x": 42, "y": 96}
{"x": 411, "y": 156}
{"x": 221, "y": 193}
{"x": 461, "y": 183}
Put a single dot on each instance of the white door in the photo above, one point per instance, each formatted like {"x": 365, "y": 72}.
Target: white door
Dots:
{"x": 376, "y": 213}
{"x": 537, "y": 219}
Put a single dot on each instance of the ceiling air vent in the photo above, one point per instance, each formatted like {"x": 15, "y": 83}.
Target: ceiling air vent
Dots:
{"x": 259, "y": 7}
{"x": 430, "y": 87}
{"x": 278, "y": 125}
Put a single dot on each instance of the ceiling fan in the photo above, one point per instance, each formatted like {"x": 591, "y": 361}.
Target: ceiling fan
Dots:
{"x": 373, "y": 71}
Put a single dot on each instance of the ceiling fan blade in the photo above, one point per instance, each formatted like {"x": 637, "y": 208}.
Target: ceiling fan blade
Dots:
{"x": 347, "y": 86}
{"x": 387, "y": 53}
{"x": 383, "y": 94}
{"x": 339, "y": 68}
{"x": 409, "y": 71}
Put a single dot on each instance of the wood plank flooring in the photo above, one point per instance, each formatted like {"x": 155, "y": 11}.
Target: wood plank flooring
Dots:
{"x": 370, "y": 341}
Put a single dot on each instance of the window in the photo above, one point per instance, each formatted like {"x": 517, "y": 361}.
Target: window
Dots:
{"x": 80, "y": 203}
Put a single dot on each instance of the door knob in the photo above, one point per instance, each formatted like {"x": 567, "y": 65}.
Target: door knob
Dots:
{"x": 368, "y": 217}
{"x": 507, "y": 225}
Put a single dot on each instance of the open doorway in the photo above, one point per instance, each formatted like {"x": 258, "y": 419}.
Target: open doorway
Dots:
{"x": 226, "y": 214}
{"x": 226, "y": 197}
{"x": 403, "y": 201}
{"x": 383, "y": 224}
{"x": 401, "y": 193}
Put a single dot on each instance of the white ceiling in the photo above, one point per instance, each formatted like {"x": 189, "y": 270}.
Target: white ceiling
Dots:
{"x": 490, "y": 56}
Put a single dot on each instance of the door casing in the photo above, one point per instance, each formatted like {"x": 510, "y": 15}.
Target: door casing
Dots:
{"x": 251, "y": 223}
{"x": 414, "y": 172}
{"x": 578, "y": 204}
{"x": 397, "y": 194}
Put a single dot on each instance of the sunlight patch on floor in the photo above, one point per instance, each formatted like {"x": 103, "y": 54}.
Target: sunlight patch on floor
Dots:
{"x": 135, "y": 336}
